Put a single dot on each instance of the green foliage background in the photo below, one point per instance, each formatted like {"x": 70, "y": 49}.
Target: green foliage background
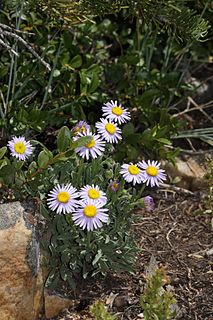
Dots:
{"x": 134, "y": 51}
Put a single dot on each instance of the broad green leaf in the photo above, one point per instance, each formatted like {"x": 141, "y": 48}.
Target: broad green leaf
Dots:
{"x": 76, "y": 62}
{"x": 63, "y": 139}
{"x": 128, "y": 129}
{"x": 94, "y": 83}
{"x": 43, "y": 158}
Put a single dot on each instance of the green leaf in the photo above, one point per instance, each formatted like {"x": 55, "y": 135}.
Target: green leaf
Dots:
{"x": 2, "y": 152}
{"x": 76, "y": 62}
{"x": 44, "y": 212}
{"x": 8, "y": 174}
{"x": 94, "y": 83}
{"x": 43, "y": 158}
{"x": 3, "y": 163}
{"x": 128, "y": 129}
{"x": 97, "y": 257}
{"x": 164, "y": 141}
{"x": 63, "y": 139}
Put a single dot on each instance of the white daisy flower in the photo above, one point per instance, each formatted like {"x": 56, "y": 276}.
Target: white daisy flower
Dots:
{"x": 62, "y": 199}
{"x": 90, "y": 215}
{"x": 94, "y": 148}
{"x": 131, "y": 173}
{"x": 113, "y": 111}
{"x": 109, "y": 130}
{"x": 20, "y": 148}
{"x": 152, "y": 174}
{"x": 92, "y": 192}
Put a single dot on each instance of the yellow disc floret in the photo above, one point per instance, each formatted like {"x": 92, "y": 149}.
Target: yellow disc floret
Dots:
{"x": 90, "y": 144}
{"x": 80, "y": 130}
{"x": 110, "y": 128}
{"x": 63, "y": 196}
{"x": 94, "y": 194}
{"x": 19, "y": 147}
{"x": 117, "y": 111}
{"x": 133, "y": 169}
{"x": 152, "y": 171}
{"x": 90, "y": 211}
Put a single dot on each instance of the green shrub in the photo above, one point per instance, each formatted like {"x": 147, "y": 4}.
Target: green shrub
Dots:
{"x": 99, "y": 311}
{"x": 155, "y": 301}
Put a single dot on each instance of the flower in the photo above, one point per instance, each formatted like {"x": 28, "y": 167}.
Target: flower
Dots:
{"x": 62, "y": 199}
{"x": 80, "y": 127}
{"x": 131, "y": 173}
{"x": 90, "y": 215}
{"x": 148, "y": 203}
{"x": 92, "y": 192}
{"x": 114, "y": 186}
{"x": 20, "y": 148}
{"x": 152, "y": 174}
{"x": 109, "y": 130}
{"x": 93, "y": 148}
{"x": 115, "y": 112}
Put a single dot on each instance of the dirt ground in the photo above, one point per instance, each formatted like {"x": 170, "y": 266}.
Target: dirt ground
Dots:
{"x": 179, "y": 237}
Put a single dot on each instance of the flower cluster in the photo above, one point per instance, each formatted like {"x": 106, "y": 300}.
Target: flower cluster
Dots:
{"x": 87, "y": 212}
{"x": 87, "y": 204}
{"x": 148, "y": 173}
{"x": 107, "y": 130}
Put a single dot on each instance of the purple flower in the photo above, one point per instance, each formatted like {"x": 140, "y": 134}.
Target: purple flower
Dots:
{"x": 148, "y": 203}
{"x": 114, "y": 186}
{"x": 80, "y": 127}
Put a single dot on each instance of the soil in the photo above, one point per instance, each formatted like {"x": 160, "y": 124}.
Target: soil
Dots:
{"x": 177, "y": 236}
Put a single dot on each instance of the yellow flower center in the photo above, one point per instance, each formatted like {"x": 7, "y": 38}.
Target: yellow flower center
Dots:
{"x": 80, "y": 130}
{"x": 117, "y": 111}
{"x": 90, "y": 144}
{"x": 20, "y": 147}
{"x": 63, "y": 196}
{"x": 110, "y": 128}
{"x": 133, "y": 169}
{"x": 152, "y": 171}
{"x": 94, "y": 194}
{"x": 90, "y": 211}
{"x": 115, "y": 185}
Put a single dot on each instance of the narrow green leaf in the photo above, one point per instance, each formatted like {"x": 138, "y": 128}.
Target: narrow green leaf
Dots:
{"x": 97, "y": 257}
{"x": 44, "y": 212}
{"x": 2, "y": 152}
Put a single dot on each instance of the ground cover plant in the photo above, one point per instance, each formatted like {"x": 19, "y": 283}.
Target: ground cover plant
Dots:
{"x": 89, "y": 104}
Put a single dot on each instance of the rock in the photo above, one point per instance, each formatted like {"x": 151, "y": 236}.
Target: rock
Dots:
{"x": 189, "y": 171}
{"x": 21, "y": 281}
{"x": 54, "y": 304}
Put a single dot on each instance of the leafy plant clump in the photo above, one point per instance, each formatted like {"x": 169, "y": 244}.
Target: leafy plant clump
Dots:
{"x": 155, "y": 301}
{"x": 99, "y": 311}
{"x": 82, "y": 195}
